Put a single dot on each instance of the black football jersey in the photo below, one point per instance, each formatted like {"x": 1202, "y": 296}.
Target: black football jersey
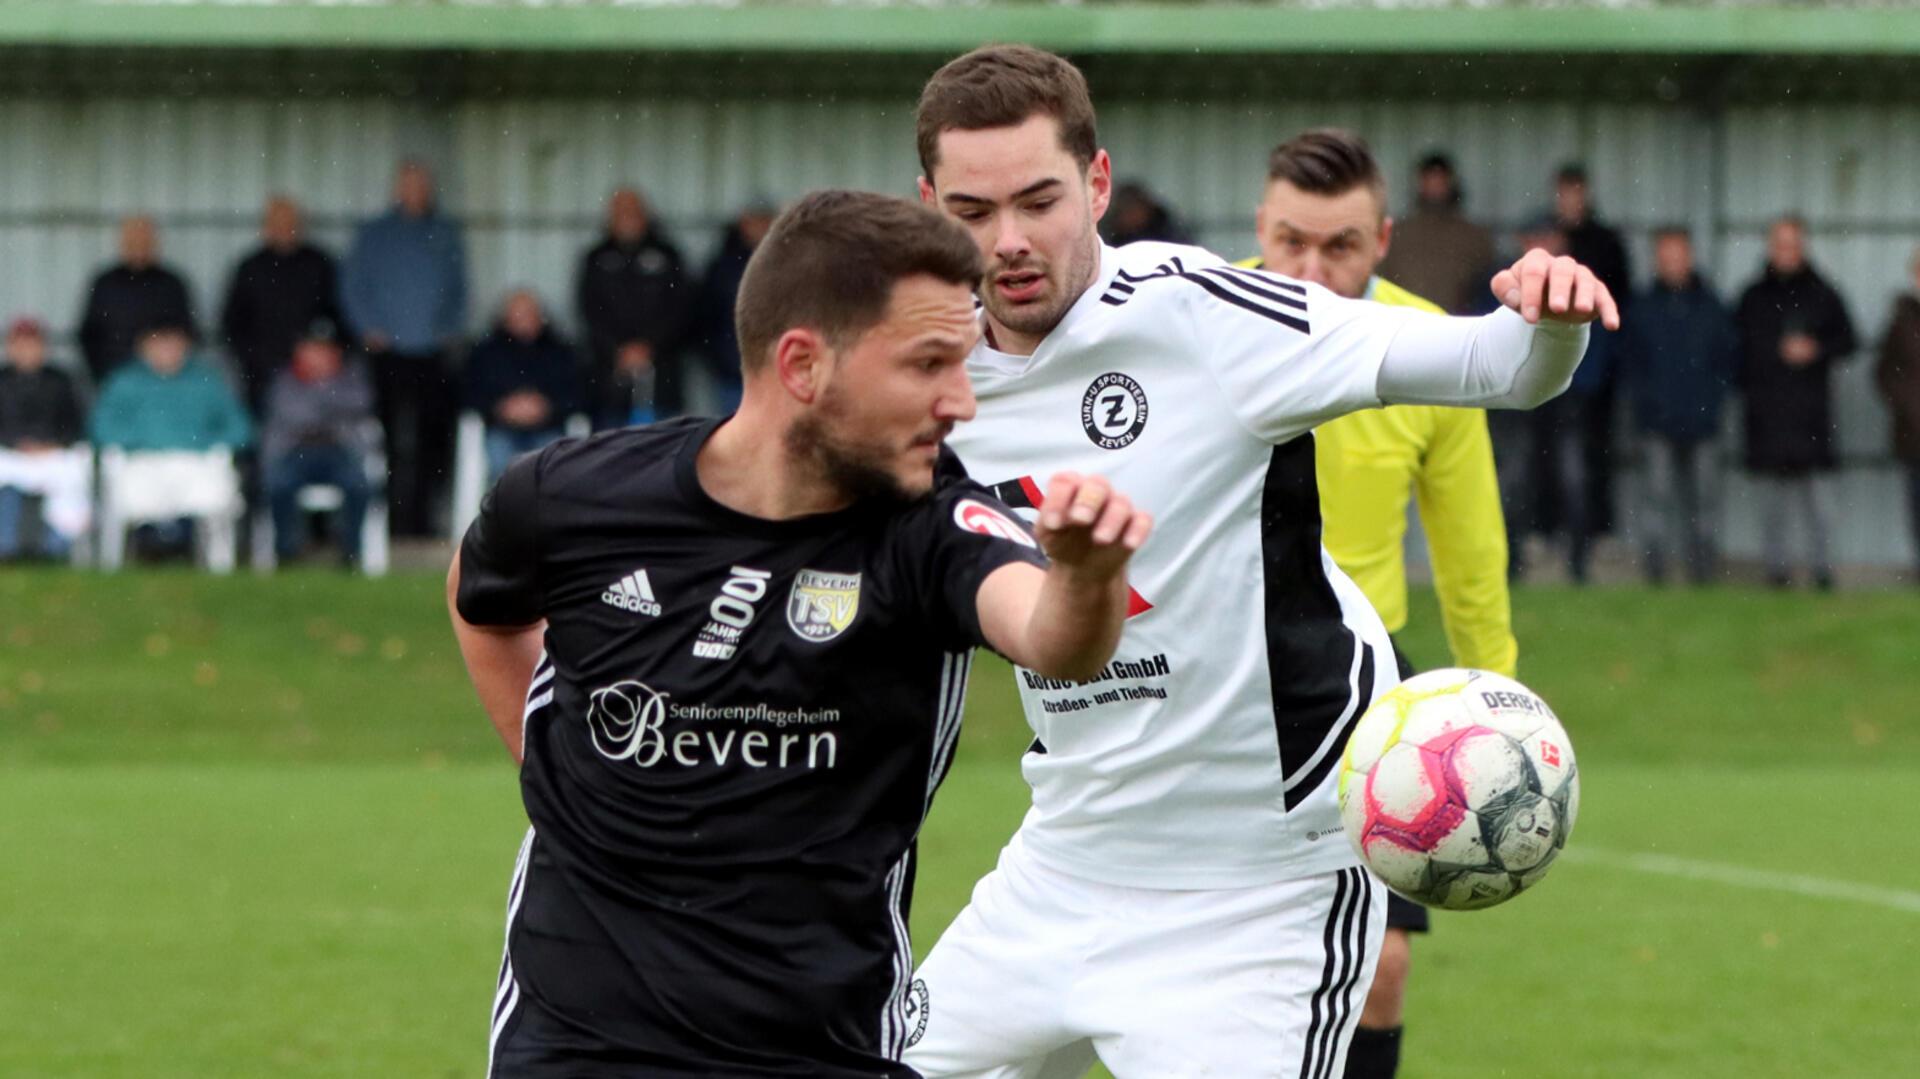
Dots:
{"x": 731, "y": 741}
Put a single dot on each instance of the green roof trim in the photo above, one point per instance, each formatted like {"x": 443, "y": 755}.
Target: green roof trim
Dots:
{"x": 1108, "y": 28}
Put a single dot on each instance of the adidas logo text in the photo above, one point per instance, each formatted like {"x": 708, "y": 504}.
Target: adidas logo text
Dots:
{"x": 632, "y": 593}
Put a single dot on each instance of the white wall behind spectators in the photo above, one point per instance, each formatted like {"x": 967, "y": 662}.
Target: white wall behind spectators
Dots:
{"x": 529, "y": 177}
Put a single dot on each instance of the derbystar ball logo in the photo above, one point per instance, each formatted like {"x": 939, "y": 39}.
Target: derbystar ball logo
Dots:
{"x": 984, "y": 519}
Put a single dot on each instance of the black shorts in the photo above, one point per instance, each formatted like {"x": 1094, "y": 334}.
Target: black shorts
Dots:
{"x": 537, "y": 1044}
{"x": 595, "y": 986}
{"x": 1406, "y": 914}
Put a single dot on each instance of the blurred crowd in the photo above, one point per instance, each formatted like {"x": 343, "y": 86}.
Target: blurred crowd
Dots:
{"x": 346, "y": 374}
{"x": 1687, "y": 353}
{"x": 349, "y": 374}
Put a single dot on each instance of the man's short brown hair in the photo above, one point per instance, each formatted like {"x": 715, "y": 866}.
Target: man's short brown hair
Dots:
{"x": 1327, "y": 161}
{"x": 829, "y": 263}
{"x": 1001, "y": 86}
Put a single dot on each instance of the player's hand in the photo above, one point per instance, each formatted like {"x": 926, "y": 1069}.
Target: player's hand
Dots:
{"x": 1558, "y": 289}
{"x": 1087, "y": 527}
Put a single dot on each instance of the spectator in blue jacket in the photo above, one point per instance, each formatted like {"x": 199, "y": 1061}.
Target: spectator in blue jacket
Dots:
{"x": 404, "y": 287}
{"x": 168, "y": 410}
{"x": 524, "y": 380}
{"x": 713, "y": 318}
{"x": 1678, "y": 356}
{"x": 170, "y": 400}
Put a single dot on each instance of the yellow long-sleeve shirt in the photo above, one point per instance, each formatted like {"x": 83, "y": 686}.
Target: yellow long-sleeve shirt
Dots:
{"x": 1370, "y": 463}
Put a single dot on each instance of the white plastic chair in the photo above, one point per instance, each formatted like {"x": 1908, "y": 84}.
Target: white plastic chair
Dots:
{"x": 470, "y": 467}
{"x": 138, "y": 488}
{"x": 376, "y": 538}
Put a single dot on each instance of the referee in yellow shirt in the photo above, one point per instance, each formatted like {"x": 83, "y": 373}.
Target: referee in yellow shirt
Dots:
{"x": 1323, "y": 218}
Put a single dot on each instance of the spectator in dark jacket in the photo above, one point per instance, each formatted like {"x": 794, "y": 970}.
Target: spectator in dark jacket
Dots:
{"x": 404, "y": 287}
{"x": 1793, "y": 328}
{"x": 713, "y": 333}
{"x": 129, "y": 296}
{"x": 40, "y": 425}
{"x": 1138, "y": 214}
{"x": 1597, "y": 246}
{"x": 1542, "y": 453}
{"x": 524, "y": 380}
{"x": 277, "y": 291}
{"x": 637, "y": 305}
{"x": 317, "y": 409}
{"x": 1898, "y": 376}
{"x": 1677, "y": 357}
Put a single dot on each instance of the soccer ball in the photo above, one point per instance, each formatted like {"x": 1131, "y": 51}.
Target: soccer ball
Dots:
{"x": 1459, "y": 789}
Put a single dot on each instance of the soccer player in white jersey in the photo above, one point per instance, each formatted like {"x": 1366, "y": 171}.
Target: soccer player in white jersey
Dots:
{"x": 1180, "y": 900}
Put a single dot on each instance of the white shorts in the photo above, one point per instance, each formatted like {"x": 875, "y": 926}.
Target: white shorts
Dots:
{"x": 1043, "y": 971}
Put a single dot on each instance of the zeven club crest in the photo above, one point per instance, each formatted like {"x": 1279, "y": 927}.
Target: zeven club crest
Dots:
{"x": 823, "y": 605}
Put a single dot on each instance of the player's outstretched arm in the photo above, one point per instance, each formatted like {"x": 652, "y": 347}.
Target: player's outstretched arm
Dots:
{"x": 1521, "y": 356}
{"x": 500, "y": 662}
{"x": 1065, "y": 621}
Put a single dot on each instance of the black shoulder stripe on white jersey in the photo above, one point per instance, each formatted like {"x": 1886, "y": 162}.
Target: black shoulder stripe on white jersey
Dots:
{"x": 1264, "y": 285}
{"x": 1120, "y": 290}
{"x": 1266, "y": 277}
{"x": 1166, "y": 269}
{"x": 1258, "y": 307}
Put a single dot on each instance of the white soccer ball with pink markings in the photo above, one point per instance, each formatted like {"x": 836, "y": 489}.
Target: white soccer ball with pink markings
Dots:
{"x": 1459, "y": 788}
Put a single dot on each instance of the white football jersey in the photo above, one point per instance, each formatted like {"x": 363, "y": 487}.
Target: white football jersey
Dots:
{"x": 1204, "y": 755}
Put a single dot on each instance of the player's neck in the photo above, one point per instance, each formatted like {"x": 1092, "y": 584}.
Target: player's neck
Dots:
{"x": 747, "y": 467}
{"x": 1011, "y": 342}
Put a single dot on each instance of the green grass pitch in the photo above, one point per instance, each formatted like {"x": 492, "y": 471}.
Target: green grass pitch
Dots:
{"x": 258, "y": 827}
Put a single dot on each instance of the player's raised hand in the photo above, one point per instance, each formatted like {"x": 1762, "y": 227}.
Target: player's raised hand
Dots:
{"x": 1556, "y": 288}
{"x": 1087, "y": 526}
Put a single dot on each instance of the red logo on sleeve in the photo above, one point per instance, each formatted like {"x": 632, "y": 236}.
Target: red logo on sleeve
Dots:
{"x": 1024, "y": 493}
{"x": 987, "y": 521}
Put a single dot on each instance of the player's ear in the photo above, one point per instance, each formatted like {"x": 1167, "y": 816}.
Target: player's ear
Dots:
{"x": 1100, "y": 183}
{"x": 800, "y": 361}
{"x": 1386, "y": 236}
{"x": 926, "y": 193}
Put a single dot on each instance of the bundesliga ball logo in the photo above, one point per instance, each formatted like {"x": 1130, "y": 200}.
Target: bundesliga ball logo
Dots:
{"x": 1459, "y": 789}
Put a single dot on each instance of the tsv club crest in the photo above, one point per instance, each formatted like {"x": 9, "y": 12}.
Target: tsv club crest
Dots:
{"x": 823, "y": 605}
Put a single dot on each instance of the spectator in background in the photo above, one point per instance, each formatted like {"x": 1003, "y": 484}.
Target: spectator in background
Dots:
{"x": 524, "y": 380}
{"x": 39, "y": 426}
{"x": 713, "y": 321}
{"x": 1898, "y": 376}
{"x": 404, "y": 287}
{"x": 1677, "y": 356}
{"x": 127, "y": 297}
{"x": 1793, "y": 328}
{"x": 637, "y": 305}
{"x": 1137, "y": 213}
{"x": 280, "y": 288}
{"x": 1596, "y": 245}
{"x": 317, "y": 409}
{"x": 167, "y": 411}
{"x": 1558, "y": 470}
{"x": 170, "y": 400}
{"x": 1437, "y": 252}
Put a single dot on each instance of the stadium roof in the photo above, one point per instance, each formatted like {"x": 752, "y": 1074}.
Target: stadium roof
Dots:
{"x": 1088, "y": 27}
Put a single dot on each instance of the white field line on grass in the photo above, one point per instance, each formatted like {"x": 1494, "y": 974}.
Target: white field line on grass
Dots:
{"x": 1739, "y": 876}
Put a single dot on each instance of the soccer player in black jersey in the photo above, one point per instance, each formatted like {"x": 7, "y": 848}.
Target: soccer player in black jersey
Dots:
{"x": 731, "y": 657}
